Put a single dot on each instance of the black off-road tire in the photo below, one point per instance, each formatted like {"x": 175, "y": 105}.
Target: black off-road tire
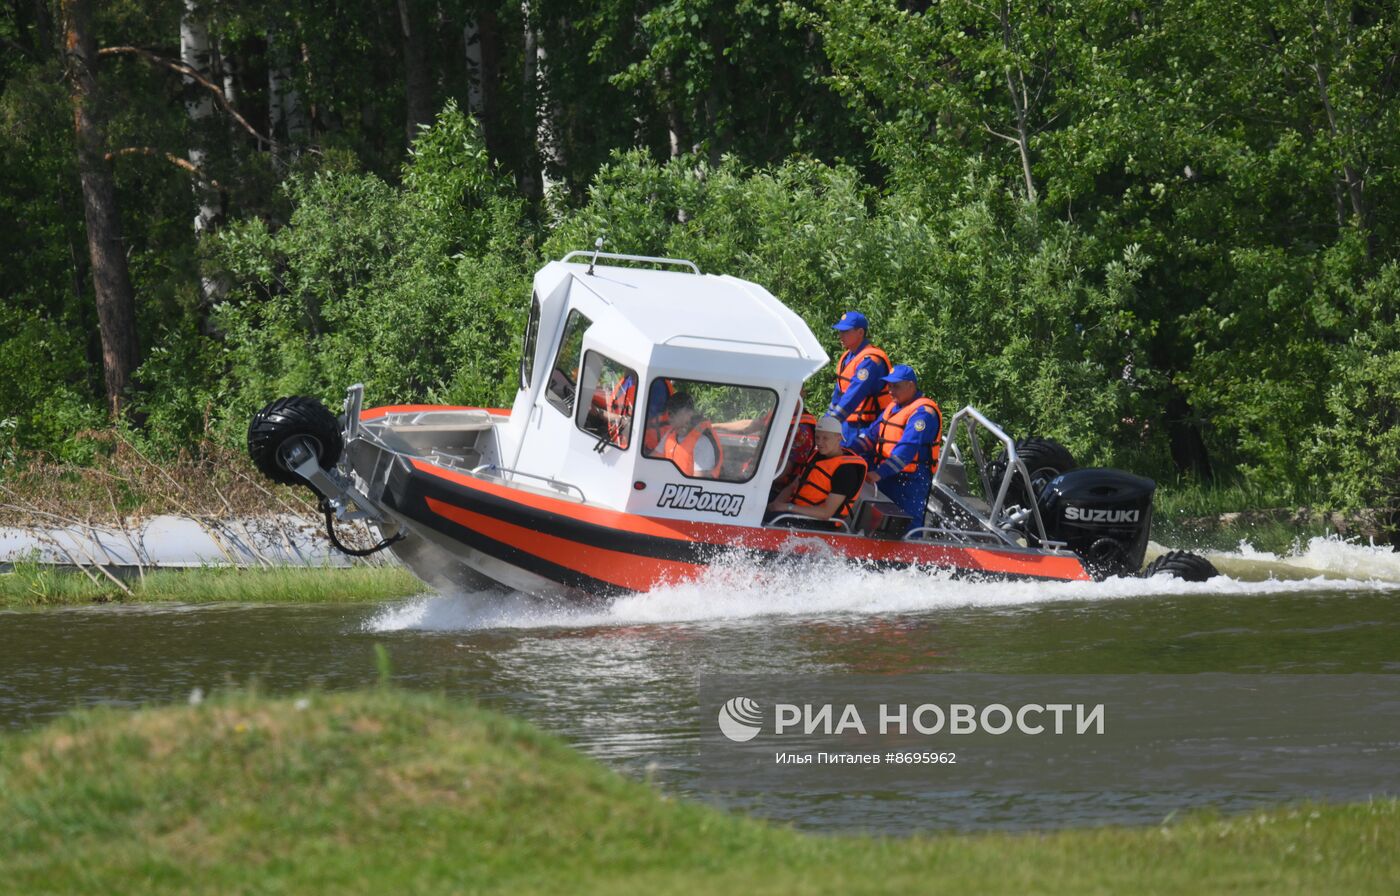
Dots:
{"x": 1044, "y": 459}
{"x": 286, "y": 419}
{"x": 1183, "y": 565}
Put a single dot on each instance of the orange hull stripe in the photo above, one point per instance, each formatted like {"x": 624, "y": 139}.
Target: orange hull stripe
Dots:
{"x": 615, "y": 567}
{"x": 971, "y": 558}
{"x": 599, "y": 516}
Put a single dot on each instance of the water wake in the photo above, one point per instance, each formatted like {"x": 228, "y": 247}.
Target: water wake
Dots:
{"x": 737, "y": 591}
{"x": 1329, "y": 556}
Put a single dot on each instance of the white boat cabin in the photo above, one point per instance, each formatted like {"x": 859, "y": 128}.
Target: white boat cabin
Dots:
{"x": 618, "y": 360}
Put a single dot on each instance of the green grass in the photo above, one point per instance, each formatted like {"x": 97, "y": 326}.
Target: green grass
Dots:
{"x": 390, "y": 792}
{"x": 1278, "y": 536}
{"x": 34, "y": 585}
{"x": 1189, "y": 515}
{"x": 1193, "y": 499}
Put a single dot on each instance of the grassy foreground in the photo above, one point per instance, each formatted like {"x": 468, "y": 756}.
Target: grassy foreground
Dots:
{"x": 32, "y": 585}
{"x": 390, "y": 792}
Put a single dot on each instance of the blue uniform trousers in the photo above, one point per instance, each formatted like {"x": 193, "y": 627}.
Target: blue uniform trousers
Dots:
{"x": 909, "y": 491}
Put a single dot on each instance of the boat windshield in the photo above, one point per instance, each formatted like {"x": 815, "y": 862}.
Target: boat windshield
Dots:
{"x": 708, "y": 430}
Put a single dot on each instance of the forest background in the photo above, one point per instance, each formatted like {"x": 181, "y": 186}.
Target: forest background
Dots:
{"x": 1164, "y": 233}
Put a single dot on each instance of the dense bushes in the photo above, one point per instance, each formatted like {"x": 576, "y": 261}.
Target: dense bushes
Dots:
{"x": 419, "y": 290}
{"x": 995, "y": 307}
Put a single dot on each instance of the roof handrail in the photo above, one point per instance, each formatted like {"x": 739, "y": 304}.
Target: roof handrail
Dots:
{"x": 649, "y": 259}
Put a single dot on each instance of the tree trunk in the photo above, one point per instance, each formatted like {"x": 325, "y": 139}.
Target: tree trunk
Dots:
{"x": 717, "y": 95}
{"x": 489, "y": 33}
{"x": 40, "y": 18}
{"x": 116, "y": 306}
{"x": 471, "y": 50}
{"x": 1355, "y": 184}
{"x": 418, "y": 91}
{"x": 1023, "y": 141}
{"x": 194, "y": 52}
{"x": 228, "y": 72}
{"x": 276, "y": 117}
{"x": 1020, "y": 105}
{"x": 286, "y": 115}
{"x": 1188, "y": 446}
{"x": 548, "y": 124}
{"x": 675, "y": 125}
{"x": 529, "y": 169}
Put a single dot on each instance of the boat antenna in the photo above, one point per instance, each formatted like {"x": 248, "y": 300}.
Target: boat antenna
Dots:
{"x": 597, "y": 247}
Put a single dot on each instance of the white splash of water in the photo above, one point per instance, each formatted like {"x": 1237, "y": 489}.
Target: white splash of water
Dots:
{"x": 737, "y": 590}
{"x": 469, "y": 610}
{"x": 1330, "y": 556}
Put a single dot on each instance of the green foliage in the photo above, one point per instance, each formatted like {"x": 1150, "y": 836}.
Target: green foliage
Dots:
{"x": 44, "y": 389}
{"x": 994, "y": 306}
{"x": 1164, "y": 233}
{"x": 407, "y": 290}
{"x": 1356, "y": 445}
{"x": 182, "y": 389}
{"x": 47, "y": 386}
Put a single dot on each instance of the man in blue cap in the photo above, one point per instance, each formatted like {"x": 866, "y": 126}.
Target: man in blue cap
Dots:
{"x": 860, "y": 393}
{"x": 904, "y": 443}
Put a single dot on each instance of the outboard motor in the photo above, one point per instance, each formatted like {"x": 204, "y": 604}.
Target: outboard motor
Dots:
{"x": 1103, "y": 515}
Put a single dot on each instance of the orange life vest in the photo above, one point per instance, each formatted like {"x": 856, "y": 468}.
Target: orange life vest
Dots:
{"x": 619, "y": 406}
{"x": 681, "y": 452}
{"x": 622, "y": 402}
{"x": 866, "y": 412}
{"x": 817, "y": 478}
{"x": 892, "y": 430}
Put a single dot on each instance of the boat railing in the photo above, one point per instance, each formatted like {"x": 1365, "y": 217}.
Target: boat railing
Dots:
{"x": 354, "y": 403}
{"x": 840, "y": 525}
{"x": 960, "y": 535}
{"x": 644, "y": 259}
{"x": 558, "y": 485}
{"x": 971, "y": 418}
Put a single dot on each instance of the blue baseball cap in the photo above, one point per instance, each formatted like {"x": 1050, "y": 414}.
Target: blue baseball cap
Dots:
{"x": 901, "y": 373}
{"x": 850, "y": 321}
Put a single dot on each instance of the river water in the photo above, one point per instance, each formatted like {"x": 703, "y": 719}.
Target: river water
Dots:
{"x": 620, "y": 681}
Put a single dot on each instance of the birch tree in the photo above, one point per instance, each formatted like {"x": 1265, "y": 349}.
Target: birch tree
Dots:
{"x": 195, "y": 54}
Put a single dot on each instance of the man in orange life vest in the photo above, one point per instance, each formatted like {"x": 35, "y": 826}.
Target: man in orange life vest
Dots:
{"x": 860, "y": 394}
{"x": 904, "y": 443}
{"x": 621, "y": 405}
{"x": 688, "y": 441}
{"x": 828, "y": 484}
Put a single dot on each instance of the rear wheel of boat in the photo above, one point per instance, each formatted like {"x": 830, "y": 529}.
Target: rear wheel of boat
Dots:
{"x": 1182, "y": 565}
{"x": 1044, "y": 459}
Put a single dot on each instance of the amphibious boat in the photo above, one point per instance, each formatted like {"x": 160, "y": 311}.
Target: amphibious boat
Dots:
{"x": 568, "y": 492}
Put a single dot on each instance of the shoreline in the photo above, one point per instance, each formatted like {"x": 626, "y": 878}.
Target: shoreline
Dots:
{"x": 285, "y": 559}
{"x": 101, "y": 515}
{"x": 32, "y": 586}
{"x": 1279, "y": 530}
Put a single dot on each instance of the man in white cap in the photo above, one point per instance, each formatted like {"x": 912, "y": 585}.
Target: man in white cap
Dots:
{"x": 828, "y": 485}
